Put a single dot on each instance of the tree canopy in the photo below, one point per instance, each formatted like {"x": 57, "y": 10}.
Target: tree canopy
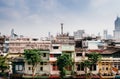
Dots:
{"x": 32, "y": 56}
{"x": 3, "y": 63}
{"x": 94, "y": 57}
{"x": 63, "y": 61}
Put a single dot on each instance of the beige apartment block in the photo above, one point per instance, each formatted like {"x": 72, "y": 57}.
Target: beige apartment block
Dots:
{"x": 18, "y": 45}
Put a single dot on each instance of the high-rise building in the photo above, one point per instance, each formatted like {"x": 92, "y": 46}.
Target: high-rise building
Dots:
{"x": 117, "y": 28}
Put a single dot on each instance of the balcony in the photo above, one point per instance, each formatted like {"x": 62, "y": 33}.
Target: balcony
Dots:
{"x": 52, "y": 59}
{"x": 68, "y": 48}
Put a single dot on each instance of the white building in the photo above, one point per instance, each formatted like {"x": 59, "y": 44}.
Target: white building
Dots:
{"x": 79, "y": 34}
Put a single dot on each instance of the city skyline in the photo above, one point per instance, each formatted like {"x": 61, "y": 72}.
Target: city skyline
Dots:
{"x": 38, "y": 17}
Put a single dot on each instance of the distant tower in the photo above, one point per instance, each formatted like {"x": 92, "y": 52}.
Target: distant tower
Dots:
{"x": 12, "y": 33}
{"x": 49, "y": 36}
{"x": 61, "y": 28}
{"x": 105, "y": 34}
{"x": 117, "y": 28}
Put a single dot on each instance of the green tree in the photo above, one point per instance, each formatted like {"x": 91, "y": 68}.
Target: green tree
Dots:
{"x": 63, "y": 61}
{"x": 33, "y": 57}
{"x": 87, "y": 64}
{"x": 93, "y": 58}
{"x": 3, "y": 63}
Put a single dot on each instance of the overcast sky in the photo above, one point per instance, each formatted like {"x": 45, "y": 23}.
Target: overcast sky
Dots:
{"x": 38, "y": 17}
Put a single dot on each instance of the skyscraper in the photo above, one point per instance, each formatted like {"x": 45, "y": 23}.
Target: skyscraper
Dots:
{"x": 117, "y": 28}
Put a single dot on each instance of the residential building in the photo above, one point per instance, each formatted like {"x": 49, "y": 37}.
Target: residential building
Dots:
{"x": 78, "y": 50}
{"x": 55, "y": 51}
{"x": 2, "y": 40}
{"x": 79, "y": 56}
{"x": 110, "y": 63}
{"x": 64, "y": 39}
{"x": 18, "y": 45}
{"x": 69, "y": 50}
{"x": 18, "y": 65}
{"x": 42, "y": 68}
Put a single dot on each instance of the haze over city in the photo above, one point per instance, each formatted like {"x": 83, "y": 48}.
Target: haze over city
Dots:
{"x": 38, "y": 17}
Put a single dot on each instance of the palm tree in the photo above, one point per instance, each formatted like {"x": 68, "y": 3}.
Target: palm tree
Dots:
{"x": 32, "y": 56}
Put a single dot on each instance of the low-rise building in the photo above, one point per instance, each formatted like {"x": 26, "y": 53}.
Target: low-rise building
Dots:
{"x": 18, "y": 45}
{"x": 2, "y": 40}
{"x": 54, "y": 53}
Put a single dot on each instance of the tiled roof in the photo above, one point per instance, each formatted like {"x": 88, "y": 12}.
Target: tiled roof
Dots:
{"x": 109, "y": 50}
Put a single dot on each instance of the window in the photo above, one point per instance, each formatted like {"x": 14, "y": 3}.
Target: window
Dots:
{"x": 41, "y": 68}
{"x": 44, "y": 54}
{"x": 16, "y": 67}
{"x": 90, "y": 68}
{"x": 78, "y": 44}
{"x": 119, "y": 67}
{"x": 93, "y": 67}
{"x": 68, "y": 68}
{"x": 29, "y": 63}
{"x": 51, "y": 55}
{"x": 103, "y": 63}
{"x": 54, "y": 66}
{"x": 29, "y": 68}
{"x": 106, "y": 68}
{"x": 106, "y": 63}
{"x": 55, "y": 47}
{"x": 45, "y": 63}
{"x": 41, "y": 63}
{"x": 82, "y": 67}
{"x": 78, "y": 67}
{"x": 54, "y": 55}
{"x": 19, "y": 67}
{"x": 57, "y": 55}
{"x": 78, "y": 54}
